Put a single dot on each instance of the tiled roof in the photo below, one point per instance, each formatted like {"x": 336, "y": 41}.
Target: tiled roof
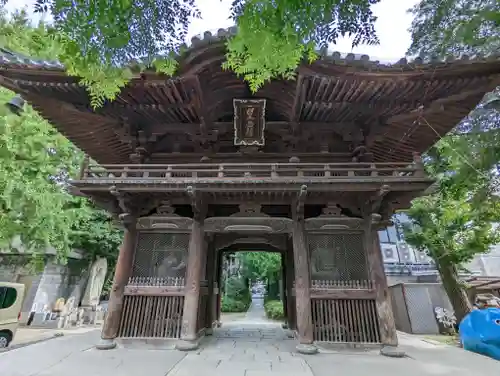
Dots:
{"x": 10, "y": 58}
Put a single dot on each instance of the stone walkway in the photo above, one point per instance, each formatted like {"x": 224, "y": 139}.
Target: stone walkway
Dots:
{"x": 258, "y": 347}
{"x": 27, "y": 335}
{"x": 252, "y": 346}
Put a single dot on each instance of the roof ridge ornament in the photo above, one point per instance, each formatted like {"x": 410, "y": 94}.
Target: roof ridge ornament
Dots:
{"x": 332, "y": 210}
{"x": 249, "y": 209}
{"x": 165, "y": 209}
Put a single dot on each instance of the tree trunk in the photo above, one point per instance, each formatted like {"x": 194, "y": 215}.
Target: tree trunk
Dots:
{"x": 456, "y": 292}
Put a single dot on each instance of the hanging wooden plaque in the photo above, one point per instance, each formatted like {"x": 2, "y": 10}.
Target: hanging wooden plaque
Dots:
{"x": 249, "y": 121}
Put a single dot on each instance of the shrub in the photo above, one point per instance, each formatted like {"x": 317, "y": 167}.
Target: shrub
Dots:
{"x": 274, "y": 309}
{"x": 231, "y": 305}
{"x": 237, "y": 289}
{"x": 237, "y": 297}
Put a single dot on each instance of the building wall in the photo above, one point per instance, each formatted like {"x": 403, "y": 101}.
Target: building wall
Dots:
{"x": 487, "y": 264}
{"x": 45, "y": 288}
{"x": 404, "y": 264}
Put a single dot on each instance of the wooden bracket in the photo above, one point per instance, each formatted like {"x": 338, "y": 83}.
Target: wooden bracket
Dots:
{"x": 195, "y": 202}
{"x": 121, "y": 199}
{"x": 374, "y": 204}
{"x": 127, "y": 219}
{"x": 299, "y": 209}
{"x": 127, "y": 216}
{"x": 84, "y": 166}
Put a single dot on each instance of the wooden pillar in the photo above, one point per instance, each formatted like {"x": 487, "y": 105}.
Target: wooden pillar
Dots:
{"x": 290, "y": 277}
{"x": 189, "y": 335}
{"x": 211, "y": 282}
{"x": 302, "y": 287}
{"x": 388, "y": 334}
{"x": 123, "y": 271}
{"x": 284, "y": 295}
{"x": 202, "y": 300}
{"x": 218, "y": 269}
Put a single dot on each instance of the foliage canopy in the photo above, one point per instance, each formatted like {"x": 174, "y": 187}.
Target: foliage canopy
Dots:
{"x": 36, "y": 160}
{"x": 95, "y": 40}
{"x": 455, "y": 27}
{"x": 260, "y": 265}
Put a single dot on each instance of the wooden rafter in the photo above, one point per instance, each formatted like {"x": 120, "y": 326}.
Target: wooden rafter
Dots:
{"x": 383, "y": 102}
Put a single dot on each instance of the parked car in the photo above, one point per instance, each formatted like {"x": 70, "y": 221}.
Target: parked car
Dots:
{"x": 11, "y": 300}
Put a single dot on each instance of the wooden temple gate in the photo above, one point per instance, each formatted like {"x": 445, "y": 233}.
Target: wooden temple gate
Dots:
{"x": 320, "y": 163}
{"x": 335, "y": 260}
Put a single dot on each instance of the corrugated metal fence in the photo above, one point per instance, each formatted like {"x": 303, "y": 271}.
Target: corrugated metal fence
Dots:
{"x": 413, "y": 306}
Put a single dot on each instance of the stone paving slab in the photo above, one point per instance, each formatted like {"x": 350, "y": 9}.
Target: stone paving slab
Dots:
{"x": 422, "y": 360}
{"x": 76, "y": 356}
{"x": 249, "y": 353}
{"x": 274, "y": 373}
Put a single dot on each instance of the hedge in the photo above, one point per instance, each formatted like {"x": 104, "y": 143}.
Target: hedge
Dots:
{"x": 237, "y": 297}
{"x": 231, "y": 305}
{"x": 274, "y": 309}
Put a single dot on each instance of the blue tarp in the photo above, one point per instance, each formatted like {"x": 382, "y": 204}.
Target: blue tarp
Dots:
{"x": 480, "y": 332}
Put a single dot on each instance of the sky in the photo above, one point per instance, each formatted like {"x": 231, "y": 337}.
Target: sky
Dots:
{"x": 392, "y": 26}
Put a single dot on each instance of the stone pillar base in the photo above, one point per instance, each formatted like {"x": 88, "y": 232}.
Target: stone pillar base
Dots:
{"x": 106, "y": 344}
{"x": 187, "y": 345}
{"x": 290, "y": 333}
{"x": 392, "y": 352}
{"x": 209, "y": 331}
{"x": 306, "y": 349}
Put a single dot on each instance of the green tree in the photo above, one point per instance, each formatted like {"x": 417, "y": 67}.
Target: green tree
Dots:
{"x": 35, "y": 163}
{"x": 455, "y": 27}
{"x": 97, "y": 234}
{"x": 96, "y": 39}
{"x": 263, "y": 266}
{"x": 455, "y": 222}
{"x": 33, "y": 203}
{"x": 259, "y": 265}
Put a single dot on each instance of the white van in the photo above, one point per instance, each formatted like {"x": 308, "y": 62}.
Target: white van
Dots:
{"x": 11, "y": 300}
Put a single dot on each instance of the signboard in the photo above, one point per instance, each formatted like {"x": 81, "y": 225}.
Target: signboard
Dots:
{"x": 249, "y": 121}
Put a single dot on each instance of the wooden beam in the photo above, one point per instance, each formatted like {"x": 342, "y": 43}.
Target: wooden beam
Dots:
{"x": 343, "y": 294}
{"x": 298, "y": 101}
{"x": 438, "y": 105}
{"x": 140, "y": 107}
{"x": 155, "y": 290}
{"x": 224, "y": 127}
{"x": 205, "y": 121}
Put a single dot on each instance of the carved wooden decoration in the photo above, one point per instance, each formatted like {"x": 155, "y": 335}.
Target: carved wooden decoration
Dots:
{"x": 249, "y": 219}
{"x": 165, "y": 219}
{"x": 277, "y": 241}
{"x": 332, "y": 219}
{"x": 249, "y": 122}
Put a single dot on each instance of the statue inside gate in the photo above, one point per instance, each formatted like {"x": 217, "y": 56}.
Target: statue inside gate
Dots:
{"x": 173, "y": 265}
